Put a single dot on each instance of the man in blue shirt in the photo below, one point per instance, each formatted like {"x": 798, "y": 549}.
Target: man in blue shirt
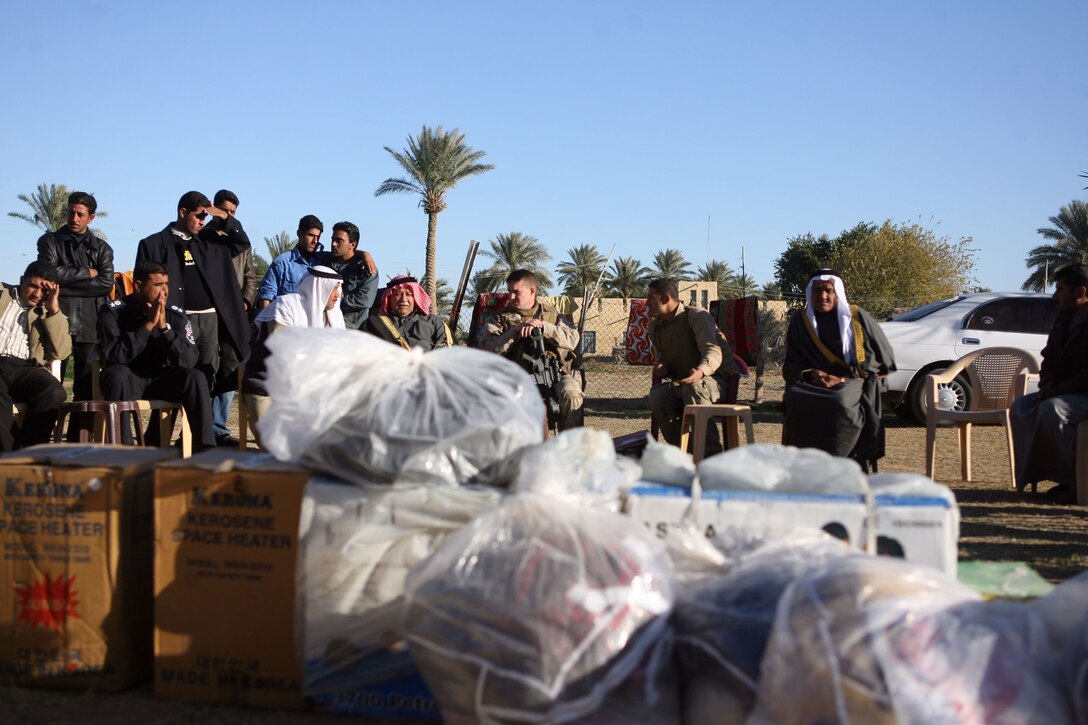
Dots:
{"x": 286, "y": 270}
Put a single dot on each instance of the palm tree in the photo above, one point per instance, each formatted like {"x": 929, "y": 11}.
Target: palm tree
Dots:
{"x": 49, "y": 207}
{"x": 770, "y": 291}
{"x": 519, "y": 251}
{"x": 583, "y": 269}
{"x": 488, "y": 280}
{"x": 442, "y": 304}
{"x": 628, "y": 278}
{"x": 670, "y": 264}
{"x": 1069, "y": 237}
{"x": 741, "y": 286}
{"x": 434, "y": 161}
{"x": 280, "y": 243}
{"x": 260, "y": 266}
{"x": 720, "y": 272}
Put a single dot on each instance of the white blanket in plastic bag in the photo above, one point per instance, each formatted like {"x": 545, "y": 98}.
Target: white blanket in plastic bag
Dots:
{"x": 783, "y": 469}
{"x": 356, "y": 547}
{"x": 541, "y": 611}
{"x": 363, "y": 410}
{"x": 877, "y": 640}
{"x": 909, "y": 484}
{"x": 722, "y": 625}
{"x": 580, "y": 463}
{"x": 663, "y": 463}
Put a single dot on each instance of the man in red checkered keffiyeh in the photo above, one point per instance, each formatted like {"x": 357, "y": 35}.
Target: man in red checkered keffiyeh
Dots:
{"x": 405, "y": 317}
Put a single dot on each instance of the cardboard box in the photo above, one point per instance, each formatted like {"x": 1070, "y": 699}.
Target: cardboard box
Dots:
{"x": 661, "y": 509}
{"x": 658, "y": 507}
{"x": 226, "y": 542}
{"x": 842, "y": 516}
{"x": 406, "y": 698}
{"x": 75, "y": 572}
{"x": 923, "y": 529}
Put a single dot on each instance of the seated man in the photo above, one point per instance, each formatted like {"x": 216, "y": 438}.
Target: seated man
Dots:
{"x": 835, "y": 355}
{"x": 405, "y": 317}
{"x": 313, "y": 305}
{"x": 33, "y": 333}
{"x": 510, "y": 335}
{"x": 147, "y": 350}
{"x": 693, "y": 354}
{"x": 1044, "y": 424}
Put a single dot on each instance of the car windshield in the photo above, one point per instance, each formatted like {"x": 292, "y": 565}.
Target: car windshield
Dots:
{"x": 920, "y": 312}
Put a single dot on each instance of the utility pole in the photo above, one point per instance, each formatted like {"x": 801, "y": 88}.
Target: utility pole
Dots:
{"x": 708, "y": 240}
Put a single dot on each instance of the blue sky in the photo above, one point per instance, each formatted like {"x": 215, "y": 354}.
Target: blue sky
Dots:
{"x": 624, "y": 122}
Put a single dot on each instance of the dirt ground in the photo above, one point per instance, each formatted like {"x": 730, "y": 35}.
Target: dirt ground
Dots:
{"x": 997, "y": 525}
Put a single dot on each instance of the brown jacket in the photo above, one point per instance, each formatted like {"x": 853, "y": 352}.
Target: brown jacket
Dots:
{"x": 690, "y": 341}
{"x": 48, "y": 337}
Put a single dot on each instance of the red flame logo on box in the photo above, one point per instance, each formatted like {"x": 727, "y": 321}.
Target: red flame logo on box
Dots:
{"x": 48, "y": 602}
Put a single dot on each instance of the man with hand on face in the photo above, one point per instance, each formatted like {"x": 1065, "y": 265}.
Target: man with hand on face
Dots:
{"x": 510, "y": 336}
{"x": 693, "y": 353}
{"x": 360, "y": 275}
{"x": 84, "y": 264}
{"x": 33, "y": 333}
{"x": 836, "y": 355}
{"x": 406, "y": 318}
{"x": 147, "y": 350}
{"x": 286, "y": 270}
{"x": 1044, "y": 424}
{"x": 202, "y": 283}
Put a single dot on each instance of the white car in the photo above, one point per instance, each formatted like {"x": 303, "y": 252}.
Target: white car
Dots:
{"x": 928, "y": 339}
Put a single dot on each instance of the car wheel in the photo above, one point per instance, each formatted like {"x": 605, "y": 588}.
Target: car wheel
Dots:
{"x": 955, "y": 395}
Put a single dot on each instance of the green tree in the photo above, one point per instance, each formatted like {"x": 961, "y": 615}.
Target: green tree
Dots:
{"x": 582, "y": 271}
{"x": 1068, "y": 239}
{"x": 628, "y": 278}
{"x": 488, "y": 280}
{"x": 925, "y": 268}
{"x": 278, "y": 244}
{"x": 720, "y": 272}
{"x": 670, "y": 264}
{"x": 434, "y": 161}
{"x": 519, "y": 251}
{"x": 805, "y": 254}
{"x": 49, "y": 208}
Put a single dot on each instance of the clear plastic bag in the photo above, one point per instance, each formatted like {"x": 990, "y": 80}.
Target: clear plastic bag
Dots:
{"x": 877, "y": 640}
{"x": 356, "y": 546}
{"x": 662, "y": 463}
{"x": 722, "y": 625}
{"x": 363, "y": 410}
{"x": 540, "y": 611}
{"x": 580, "y": 463}
{"x": 782, "y": 469}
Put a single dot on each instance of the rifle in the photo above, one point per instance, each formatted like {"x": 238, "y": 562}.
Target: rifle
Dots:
{"x": 545, "y": 371}
{"x": 462, "y": 285}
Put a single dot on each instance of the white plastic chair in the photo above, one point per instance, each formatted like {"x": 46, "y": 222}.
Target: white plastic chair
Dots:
{"x": 996, "y": 376}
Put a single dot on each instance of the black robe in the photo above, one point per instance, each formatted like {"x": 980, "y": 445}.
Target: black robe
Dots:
{"x": 843, "y": 420}
{"x": 215, "y": 262}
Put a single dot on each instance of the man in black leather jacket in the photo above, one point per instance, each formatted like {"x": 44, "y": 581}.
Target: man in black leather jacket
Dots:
{"x": 84, "y": 265}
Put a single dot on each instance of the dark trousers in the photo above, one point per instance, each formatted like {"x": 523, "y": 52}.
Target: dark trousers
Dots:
{"x": 82, "y": 364}
{"x": 25, "y": 382}
{"x": 186, "y": 386}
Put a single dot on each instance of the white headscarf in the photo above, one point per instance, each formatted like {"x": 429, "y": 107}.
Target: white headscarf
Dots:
{"x": 842, "y": 313}
{"x": 306, "y": 307}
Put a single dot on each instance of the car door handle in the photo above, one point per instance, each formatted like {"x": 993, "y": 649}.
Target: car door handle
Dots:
{"x": 970, "y": 341}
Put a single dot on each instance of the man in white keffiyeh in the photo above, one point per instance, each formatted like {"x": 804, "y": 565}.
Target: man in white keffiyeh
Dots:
{"x": 314, "y": 304}
{"x": 836, "y": 354}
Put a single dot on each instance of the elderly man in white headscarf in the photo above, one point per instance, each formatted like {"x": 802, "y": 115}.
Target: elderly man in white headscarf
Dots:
{"x": 313, "y": 304}
{"x": 836, "y": 355}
